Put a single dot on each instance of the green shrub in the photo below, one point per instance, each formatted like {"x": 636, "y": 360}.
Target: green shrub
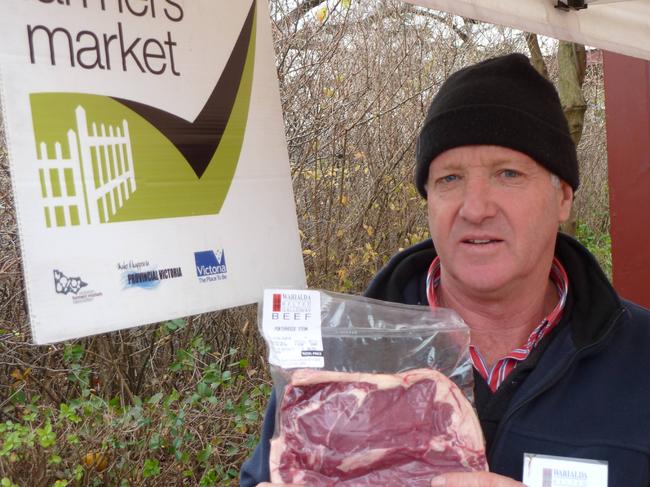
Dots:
{"x": 199, "y": 432}
{"x": 598, "y": 243}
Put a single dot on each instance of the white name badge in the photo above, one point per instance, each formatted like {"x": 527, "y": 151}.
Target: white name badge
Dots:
{"x": 550, "y": 471}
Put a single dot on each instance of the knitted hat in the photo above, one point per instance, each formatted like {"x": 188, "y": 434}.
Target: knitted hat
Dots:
{"x": 501, "y": 101}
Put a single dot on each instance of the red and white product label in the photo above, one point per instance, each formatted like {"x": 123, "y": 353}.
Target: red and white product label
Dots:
{"x": 291, "y": 323}
{"x": 552, "y": 471}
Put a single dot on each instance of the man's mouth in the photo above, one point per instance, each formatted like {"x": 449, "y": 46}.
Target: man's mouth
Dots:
{"x": 481, "y": 241}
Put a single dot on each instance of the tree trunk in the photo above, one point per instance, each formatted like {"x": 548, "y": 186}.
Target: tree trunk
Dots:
{"x": 572, "y": 65}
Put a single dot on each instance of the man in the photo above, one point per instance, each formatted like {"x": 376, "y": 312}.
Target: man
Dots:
{"x": 561, "y": 363}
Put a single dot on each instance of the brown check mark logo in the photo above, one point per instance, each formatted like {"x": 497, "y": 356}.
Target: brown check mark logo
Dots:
{"x": 198, "y": 140}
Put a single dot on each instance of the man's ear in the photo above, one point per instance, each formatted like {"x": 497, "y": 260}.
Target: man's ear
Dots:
{"x": 565, "y": 195}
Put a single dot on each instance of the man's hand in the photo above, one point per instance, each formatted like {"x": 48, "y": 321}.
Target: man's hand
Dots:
{"x": 266, "y": 484}
{"x": 474, "y": 479}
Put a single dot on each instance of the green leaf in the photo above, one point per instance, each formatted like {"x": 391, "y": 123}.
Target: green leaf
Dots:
{"x": 212, "y": 374}
{"x": 54, "y": 460}
{"x": 155, "y": 399}
{"x": 177, "y": 443}
{"x": 151, "y": 468}
{"x": 171, "y": 398}
{"x": 72, "y": 439}
{"x": 204, "y": 455}
{"x": 115, "y": 404}
{"x": 18, "y": 397}
{"x": 73, "y": 353}
{"x": 143, "y": 422}
{"x": 155, "y": 441}
{"x": 174, "y": 325}
{"x": 78, "y": 472}
{"x": 199, "y": 345}
{"x": 203, "y": 389}
{"x": 209, "y": 478}
{"x": 68, "y": 412}
{"x": 46, "y": 437}
{"x": 29, "y": 417}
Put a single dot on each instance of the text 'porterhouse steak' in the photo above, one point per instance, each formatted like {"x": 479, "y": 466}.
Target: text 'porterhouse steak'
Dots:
{"x": 355, "y": 429}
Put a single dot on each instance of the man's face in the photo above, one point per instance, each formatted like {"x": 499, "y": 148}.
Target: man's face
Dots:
{"x": 493, "y": 215}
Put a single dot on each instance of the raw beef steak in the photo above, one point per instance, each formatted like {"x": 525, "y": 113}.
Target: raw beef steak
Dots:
{"x": 354, "y": 429}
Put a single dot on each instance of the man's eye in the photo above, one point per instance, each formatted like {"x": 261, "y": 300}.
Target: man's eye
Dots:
{"x": 510, "y": 173}
{"x": 448, "y": 178}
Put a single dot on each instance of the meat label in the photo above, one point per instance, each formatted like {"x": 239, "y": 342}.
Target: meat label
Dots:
{"x": 551, "y": 471}
{"x": 291, "y": 323}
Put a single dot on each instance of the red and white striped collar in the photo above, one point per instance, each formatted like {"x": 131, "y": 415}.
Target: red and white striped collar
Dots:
{"x": 502, "y": 368}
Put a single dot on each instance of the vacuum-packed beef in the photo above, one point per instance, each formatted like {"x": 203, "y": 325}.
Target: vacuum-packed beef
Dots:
{"x": 357, "y": 429}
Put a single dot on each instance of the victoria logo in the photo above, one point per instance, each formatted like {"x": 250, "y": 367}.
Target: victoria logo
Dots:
{"x": 211, "y": 265}
{"x": 74, "y": 287}
{"x": 67, "y": 285}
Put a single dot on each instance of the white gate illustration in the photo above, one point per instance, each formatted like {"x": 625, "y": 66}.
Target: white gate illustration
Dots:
{"x": 94, "y": 182}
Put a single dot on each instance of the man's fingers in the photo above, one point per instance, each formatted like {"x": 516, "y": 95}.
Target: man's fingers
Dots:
{"x": 474, "y": 479}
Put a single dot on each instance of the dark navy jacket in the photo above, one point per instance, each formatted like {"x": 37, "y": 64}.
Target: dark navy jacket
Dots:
{"x": 588, "y": 395}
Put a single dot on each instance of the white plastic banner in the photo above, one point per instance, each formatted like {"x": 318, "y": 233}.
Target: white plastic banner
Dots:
{"x": 148, "y": 160}
{"x": 615, "y": 25}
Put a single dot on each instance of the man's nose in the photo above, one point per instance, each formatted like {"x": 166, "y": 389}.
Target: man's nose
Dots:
{"x": 478, "y": 203}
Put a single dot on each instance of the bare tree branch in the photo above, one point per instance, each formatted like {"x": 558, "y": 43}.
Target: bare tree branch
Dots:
{"x": 447, "y": 21}
{"x": 299, "y": 12}
{"x": 536, "y": 56}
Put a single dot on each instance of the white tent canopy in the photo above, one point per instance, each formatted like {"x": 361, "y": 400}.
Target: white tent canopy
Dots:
{"x": 621, "y": 26}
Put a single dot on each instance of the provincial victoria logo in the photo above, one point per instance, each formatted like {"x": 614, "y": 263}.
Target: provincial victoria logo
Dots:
{"x": 211, "y": 265}
{"x": 141, "y": 274}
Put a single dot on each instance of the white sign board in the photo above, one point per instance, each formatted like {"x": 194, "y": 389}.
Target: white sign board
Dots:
{"x": 148, "y": 160}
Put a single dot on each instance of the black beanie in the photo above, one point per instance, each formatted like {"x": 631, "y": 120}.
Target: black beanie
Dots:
{"x": 501, "y": 101}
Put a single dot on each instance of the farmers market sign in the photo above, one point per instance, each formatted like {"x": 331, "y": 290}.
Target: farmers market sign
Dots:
{"x": 147, "y": 157}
